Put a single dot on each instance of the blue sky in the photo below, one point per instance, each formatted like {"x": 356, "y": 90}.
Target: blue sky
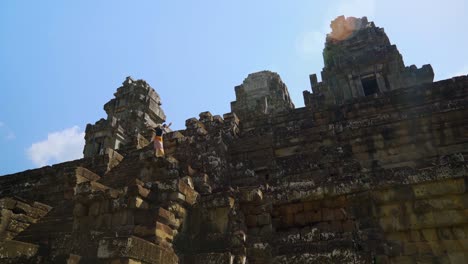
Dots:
{"x": 60, "y": 61}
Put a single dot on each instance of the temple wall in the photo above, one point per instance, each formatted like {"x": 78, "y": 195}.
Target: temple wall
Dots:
{"x": 351, "y": 183}
{"x": 372, "y": 170}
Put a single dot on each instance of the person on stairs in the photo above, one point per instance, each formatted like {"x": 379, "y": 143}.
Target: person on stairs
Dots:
{"x": 159, "y": 130}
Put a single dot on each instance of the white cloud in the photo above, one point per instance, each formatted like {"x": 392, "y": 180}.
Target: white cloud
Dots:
{"x": 59, "y": 146}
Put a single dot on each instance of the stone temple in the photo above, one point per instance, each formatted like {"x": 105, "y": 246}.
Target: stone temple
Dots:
{"x": 372, "y": 170}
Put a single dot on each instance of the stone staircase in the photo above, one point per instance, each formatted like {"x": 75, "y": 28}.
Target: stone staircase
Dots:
{"x": 134, "y": 212}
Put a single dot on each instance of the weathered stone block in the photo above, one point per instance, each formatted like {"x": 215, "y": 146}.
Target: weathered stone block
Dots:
{"x": 23, "y": 218}
{"x": 166, "y": 217}
{"x": 291, "y": 208}
{"x": 437, "y": 248}
{"x": 300, "y": 219}
{"x": 73, "y": 259}
{"x": 464, "y": 243}
{"x": 80, "y": 210}
{"x": 339, "y": 201}
{"x": 121, "y": 218}
{"x": 430, "y": 234}
{"x": 402, "y": 260}
{"x": 143, "y": 231}
{"x": 7, "y": 203}
{"x": 177, "y": 197}
{"x": 285, "y": 152}
{"x": 335, "y": 226}
{"x": 135, "y": 248}
{"x": 137, "y": 202}
{"x": 458, "y": 258}
{"x": 313, "y": 216}
{"x": 266, "y": 230}
{"x": 137, "y": 189}
{"x": 264, "y": 219}
{"x": 212, "y": 258}
{"x": 403, "y": 193}
{"x": 105, "y": 206}
{"x": 459, "y": 233}
{"x": 178, "y": 210}
{"x": 251, "y": 196}
{"x": 339, "y": 214}
{"x": 390, "y": 210}
{"x": 390, "y": 224}
{"x": 454, "y": 186}
{"x": 103, "y": 221}
{"x": 415, "y": 236}
{"x": 445, "y": 234}
{"x": 424, "y": 248}
{"x": 328, "y": 214}
{"x": 189, "y": 193}
{"x": 251, "y": 220}
{"x": 15, "y": 249}
{"x": 16, "y": 226}
{"x": 348, "y": 225}
{"x": 452, "y": 245}
{"x": 164, "y": 232}
{"x": 440, "y": 203}
{"x": 450, "y": 217}
{"x": 418, "y": 221}
{"x": 94, "y": 209}
{"x": 84, "y": 175}
{"x": 311, "y": 206}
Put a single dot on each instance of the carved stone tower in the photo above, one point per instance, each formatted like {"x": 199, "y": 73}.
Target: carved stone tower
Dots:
{"x": 136, "y": 105}
{"x": 360, "y": 61}
{"x": 261, "y": 93}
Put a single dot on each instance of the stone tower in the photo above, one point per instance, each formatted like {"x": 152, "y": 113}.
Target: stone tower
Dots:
{"x": 360, "y": 61}
{"x": 261, "y": 93}
{"x": 135, "y": 107}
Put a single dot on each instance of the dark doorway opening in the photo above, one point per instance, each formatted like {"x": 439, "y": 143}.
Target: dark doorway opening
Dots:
{"x": 370, "y": 86}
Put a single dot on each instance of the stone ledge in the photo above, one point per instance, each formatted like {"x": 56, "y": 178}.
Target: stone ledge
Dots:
{"x": 15, "y": 249}
{"x": 135, "y": 248}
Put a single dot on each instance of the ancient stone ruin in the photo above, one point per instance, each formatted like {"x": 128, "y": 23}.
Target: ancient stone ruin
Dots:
{"x": 372, "y": 170}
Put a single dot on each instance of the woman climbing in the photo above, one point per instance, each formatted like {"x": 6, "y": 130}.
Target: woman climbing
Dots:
{"x": 159, "y": 131}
